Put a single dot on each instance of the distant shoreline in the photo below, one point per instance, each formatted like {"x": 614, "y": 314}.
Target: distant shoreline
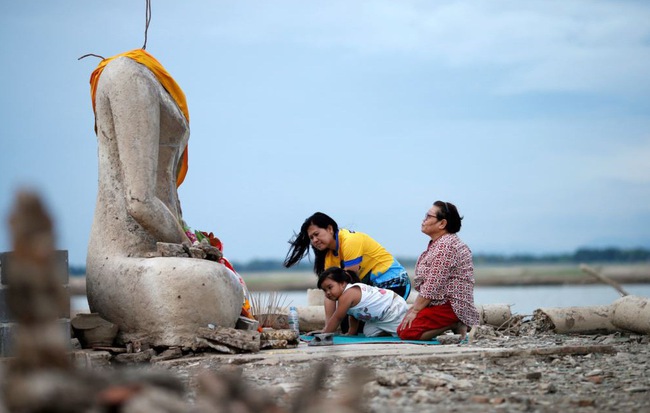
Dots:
{"x": 511, "y": 275}
{"x": 520, "y": 275}
{"x": 270, "y": 285}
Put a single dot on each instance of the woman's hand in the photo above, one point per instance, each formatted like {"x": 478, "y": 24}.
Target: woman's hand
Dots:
{"x": 420, "y": 304}
{"x": 408, "y": 318}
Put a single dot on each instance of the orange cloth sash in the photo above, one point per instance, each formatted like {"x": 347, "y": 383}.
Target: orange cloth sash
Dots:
{"x": 165, "y": 79}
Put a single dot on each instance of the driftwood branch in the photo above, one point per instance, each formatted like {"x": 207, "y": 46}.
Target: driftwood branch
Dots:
{"x": 594, "y": 273}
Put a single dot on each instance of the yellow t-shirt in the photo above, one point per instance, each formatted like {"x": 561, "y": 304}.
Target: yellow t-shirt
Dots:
{"x": 358, "y": 248}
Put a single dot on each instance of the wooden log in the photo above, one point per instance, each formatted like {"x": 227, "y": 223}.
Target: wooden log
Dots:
{"x": 311, "y": 318}
{"x": 315, "y": 297}
{"x": 579, "y": 320}
{"x": 494, "y": 314}
{"x": 632, "y": 313}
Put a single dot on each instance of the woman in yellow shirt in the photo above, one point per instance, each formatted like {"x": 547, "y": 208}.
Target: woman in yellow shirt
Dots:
{"x": 350, "y": 250}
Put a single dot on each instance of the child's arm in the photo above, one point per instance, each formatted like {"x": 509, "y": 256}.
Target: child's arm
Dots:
{"x": 348, "y": 299}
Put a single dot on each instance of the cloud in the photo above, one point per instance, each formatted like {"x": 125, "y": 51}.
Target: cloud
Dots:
{"x": 533, "y": 46}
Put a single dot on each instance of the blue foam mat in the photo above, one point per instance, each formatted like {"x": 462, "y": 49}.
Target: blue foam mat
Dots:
{"x": 361, "y": 339}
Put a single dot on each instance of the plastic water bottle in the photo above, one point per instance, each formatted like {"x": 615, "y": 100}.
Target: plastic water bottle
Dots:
{"x": 293, "y": 320}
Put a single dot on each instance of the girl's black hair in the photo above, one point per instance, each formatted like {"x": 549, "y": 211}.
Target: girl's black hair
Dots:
{"x": 449, "y": 212}
{"x": 339, "y": 275}
{"x": 300, "y": 242}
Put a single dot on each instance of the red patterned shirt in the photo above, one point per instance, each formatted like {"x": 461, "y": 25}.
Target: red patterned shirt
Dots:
{"x": 445, "y": 272}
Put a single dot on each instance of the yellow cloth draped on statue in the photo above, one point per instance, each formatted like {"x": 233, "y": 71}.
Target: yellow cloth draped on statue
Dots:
{"x": 165, "y": 79}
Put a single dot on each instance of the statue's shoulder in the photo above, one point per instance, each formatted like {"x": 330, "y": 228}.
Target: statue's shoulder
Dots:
{"x": 123, "y": 71}
{"x": 125, "y": 65}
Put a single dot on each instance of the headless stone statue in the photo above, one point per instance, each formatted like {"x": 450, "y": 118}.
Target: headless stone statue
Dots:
{"x": 141, "y": 135}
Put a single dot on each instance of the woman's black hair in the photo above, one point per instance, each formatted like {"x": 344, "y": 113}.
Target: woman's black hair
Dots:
{"x": 300, "y": 242}
{"x": 449, "y": 212}
{"x": 339, "y": 275}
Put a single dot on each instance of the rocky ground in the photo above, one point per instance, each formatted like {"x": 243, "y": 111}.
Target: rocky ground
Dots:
{"x": 543, "y": 372}
{"x": 517, "y": 369}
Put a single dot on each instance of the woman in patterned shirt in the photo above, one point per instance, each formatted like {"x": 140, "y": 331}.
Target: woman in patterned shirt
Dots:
{"x": 444, "y": 279}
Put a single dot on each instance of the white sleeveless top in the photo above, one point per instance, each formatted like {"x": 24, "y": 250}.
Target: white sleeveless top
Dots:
{"x": 373, "y": 304}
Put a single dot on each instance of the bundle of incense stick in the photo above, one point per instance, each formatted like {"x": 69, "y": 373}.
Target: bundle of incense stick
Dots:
{"x": 267, "y": 307}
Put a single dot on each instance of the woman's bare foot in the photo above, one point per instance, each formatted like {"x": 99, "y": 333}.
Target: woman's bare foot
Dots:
{"x": 457, "y": 328}
{"x": 460, "y": 328}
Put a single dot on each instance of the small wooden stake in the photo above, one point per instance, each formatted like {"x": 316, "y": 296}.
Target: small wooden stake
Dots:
{"x": 606, "y": 280}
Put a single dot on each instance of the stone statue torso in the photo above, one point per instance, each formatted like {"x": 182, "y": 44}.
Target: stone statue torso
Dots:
{"x": 141, "y": 136}
{"x": 115, "y": 231}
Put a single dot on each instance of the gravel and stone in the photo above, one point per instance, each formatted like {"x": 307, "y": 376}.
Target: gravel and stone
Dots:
{"x": 520, "y": 370}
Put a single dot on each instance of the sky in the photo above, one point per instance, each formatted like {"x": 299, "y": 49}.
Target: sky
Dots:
{"x": 532, "y": 117}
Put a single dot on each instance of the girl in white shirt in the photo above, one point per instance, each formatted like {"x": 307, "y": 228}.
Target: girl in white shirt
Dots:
{"x": 380, "y": 309}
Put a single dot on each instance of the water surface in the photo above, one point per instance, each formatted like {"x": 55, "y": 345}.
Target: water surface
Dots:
{"x": 523, "y": 299}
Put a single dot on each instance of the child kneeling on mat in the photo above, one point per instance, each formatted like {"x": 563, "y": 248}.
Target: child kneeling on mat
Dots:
{"x": 380, "y": 309}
